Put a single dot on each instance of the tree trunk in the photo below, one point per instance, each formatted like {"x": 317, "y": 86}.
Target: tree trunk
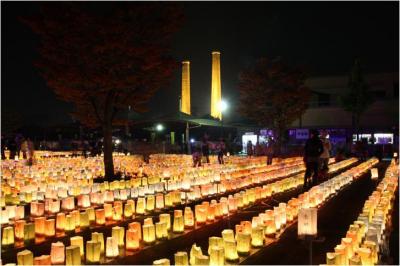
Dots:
{"x": 108, "y": 149}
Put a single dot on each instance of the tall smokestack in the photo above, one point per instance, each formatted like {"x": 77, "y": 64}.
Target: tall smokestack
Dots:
{"x": 216, "y": 86}
{"x": 185, "y": 97}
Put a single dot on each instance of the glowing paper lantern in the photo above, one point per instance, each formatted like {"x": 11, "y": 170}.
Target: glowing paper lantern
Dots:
{"x": 257, "y": 236}
{"x": 202, "y": 260}
{"x": 194, "y": 251}
{"x": 112, "y": 247}
{"x": 29, "y": 231}
{"x": 181, "y": 258}
{"x": 78, "y": 241}
{"x": 136, "y": 226}
{"x": 42, "y": 260}
{"x": 93, "y": 251}
{"x": 57, "y": 253}
{"x": 243, "y": 243}
{"x": 161, "y": 262}
{"x": 228, "y": 235}
{"x": 149, "y": 234}
{"x": 37, "y": 208}
{"x": 217, "y": 257}
{"x": 84, "y": 219}
{"x": 230, "y": 250}
{"x": 119, "y": 234}
{"x": 166, "y": 218}
{"x": 60, "y": 221}
{"x": 39, "y": 225}
{"x": 73, "y": 255}
{"x": 108, "y": 211}
{"x": 374, "y": 173}
{"x": 50, "y": 226}
{"x": 100, "y": 216}
{"x": 98, "y": 237}
{"x": 19, "y": 229}
{"x": 161, "y": 230}
{"x": 150, "y": 202}
{"x": 188, "y": 218}
{"x": 25, "y": 257}
{"x": 178, "y": 226}
{"x": 7, "y": 238}
{"x": 215, "y": 241}
{"x": 128, "y": 210}
{"x": 69, "y": 223}
{"x": 307, "y": 222}
{"x": 132, "y": 239}
{"x": 140, "y": 206}
{"x": 159, "y": 201}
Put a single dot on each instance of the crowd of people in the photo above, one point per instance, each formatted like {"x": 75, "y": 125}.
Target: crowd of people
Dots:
{"x": 202, "y": 152}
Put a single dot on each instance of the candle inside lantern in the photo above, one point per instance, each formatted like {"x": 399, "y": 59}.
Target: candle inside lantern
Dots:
{"x": 57, "y": 253}
{"x": 93, "y": 251}
{"x": 73, "y": 255}
{"x": 178, "y": 226}
{"x": 98, "y": 237}
{"x": 78, "y": 241}
{"x": 112, "y": 247}
{"x": 25, "y": 257}
{"x": 181, "y": 258}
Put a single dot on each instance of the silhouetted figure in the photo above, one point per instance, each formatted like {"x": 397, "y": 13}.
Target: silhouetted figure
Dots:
{"x": 221, "y": 151}
{"x": 270, "y": 151}
{"x": 197, "y": 156}
{"x": 205, "y": 149}
{"x": 12, "y": 146}
{"x": 249, "y": 148}
{"x": 312, "y": 151}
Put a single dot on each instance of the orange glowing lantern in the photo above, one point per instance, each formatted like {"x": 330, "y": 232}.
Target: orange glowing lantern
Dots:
{"x": 200, "y": 213}
{"x": 136, "y": 226}
{"x": 100, "y": 216}
{"x": 149, "y": 234}
{"x": 188, "y": 217}
{"x": 230, "y": 250}
{"x": 108, "y": 211}
{"x": 159, "y": 201}
{"x": 132, "y": 239}
{"x": 57, "y": 253}
{"x": 19, "y": 229}
{"x": 50, "y": 227}
{"x": 166, "y": 218}
{"x": 243, "y": 243}
{"x": 112, "y": 247}
{"x": 60, "y": 221}
{"x": 25, "y": 257}
{"x": 39, "y": 225}
{"x": 178, "y": 226}
{"x": 42, "y": 260}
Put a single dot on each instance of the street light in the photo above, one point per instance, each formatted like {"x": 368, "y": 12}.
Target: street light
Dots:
{"x": 159, "y": 127}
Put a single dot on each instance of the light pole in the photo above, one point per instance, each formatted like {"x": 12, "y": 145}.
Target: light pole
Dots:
{"x": 223, "y": 105}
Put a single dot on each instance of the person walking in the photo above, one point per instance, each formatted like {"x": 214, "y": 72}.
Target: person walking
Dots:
{"x": 312, "y": 152}
{"x": 270, "y": 151}
{"x": 205, "y": 149}
{"x": 221, "y": 151}
{"x": 197, "y": 156}
{"x": 324, "y": 158}
{"x": 249, "y": 148}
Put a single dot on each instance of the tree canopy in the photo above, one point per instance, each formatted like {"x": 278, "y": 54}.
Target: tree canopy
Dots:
{"x": 273, "y": 94}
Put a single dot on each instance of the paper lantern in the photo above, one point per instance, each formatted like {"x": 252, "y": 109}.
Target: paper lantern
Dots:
{"x": 307, "y": 222}
{"x": 25, "y": 257}
{"x": 60, "y": 221}
{"x": 201, "y": 214}
{"x": 93, "y": 251}
{"x": 84, "y": 219}
{"x": 340, "y": 250}
{"x": 42, "y": 260}
{"x": 148, "y": 221}
{"x": 149, "y": 234}
{"x": 374, "y": 173}
{"x": 331, "y": 259}
{"x": 117, "y": 213}
{"x": 169, "y": 200}
{"x": 136, "y": 226}
{"x": 211, "y": 212}
{"x": 243, "y": 243}
{"x": 73, "y": 255}
{"x": 194, "y": 251}
{"x": 69, "y": 223}
{"x": 39, "y": 225}
{"x": 355, "y": 260}
{"x": 108, "y": 211}
{"x": 374, "y": 250}
{"x": 150, "y": 203}
{"x": 68, "y": 203}
{"x": 57, "y": 253}
{"x": 269, "y": 228}
{"x": 161, "y": 230}
{"x": 112, "y": 247}
{"x": 215, "y": 241}
{"x": 78, "y": 241}
{"x": 140, "y": 206}
{"x": 365, "y": 255}
{"x": 257, "y": 236}
{"x": 161, "y": 262}
{"x": 166, "y": 218}
{"x": 37, "y": 209}
{"x": 119, "y": 234}
{"x": 202, "y": 260}
{"x": 20, "y": 212}
{"x": 29, "y": 231}
{"x": 159, "y": 201}
{"x": 178, "y": 225}
{"x": 100, "y": 216}
{"x": 98, "y": 237}
{"x": 188, "y": 217}
{"x": 7, "y": 238}
{"x": 19, "y": 229}
{"x": 228, "y": 235}
{"x": 92, "y": 215}
{"x": 181, "y": 258}
{"x": 50, "y": 227}
{"x": 217, "y": 257}
{"x": 132, "y": 239}
{"x": 128, "y": 210}
{"x": 230, "y": 250}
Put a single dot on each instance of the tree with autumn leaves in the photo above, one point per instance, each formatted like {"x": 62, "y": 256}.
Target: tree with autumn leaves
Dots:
{"x": 106, "y": 56}
{"x": 273, "y": 94}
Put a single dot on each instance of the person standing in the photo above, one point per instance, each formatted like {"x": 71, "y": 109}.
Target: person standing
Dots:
{"x": 197, "y": 156}
{"x": 249, "y": 148}
{"x": 221, "y": 151}
{"x": 270, "y": 151}
{"x": 31, "y": 151}
{"x": 312, "y": 152}
{"x": 324, "y": 158}
{"x": 24, "y": 148}
{"x": 205, "y": 149}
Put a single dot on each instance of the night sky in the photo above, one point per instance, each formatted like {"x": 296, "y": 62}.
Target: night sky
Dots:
{"x": 324, "y": 37}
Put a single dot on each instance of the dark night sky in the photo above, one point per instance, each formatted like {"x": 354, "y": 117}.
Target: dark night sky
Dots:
{"x": 325, "y": 37}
